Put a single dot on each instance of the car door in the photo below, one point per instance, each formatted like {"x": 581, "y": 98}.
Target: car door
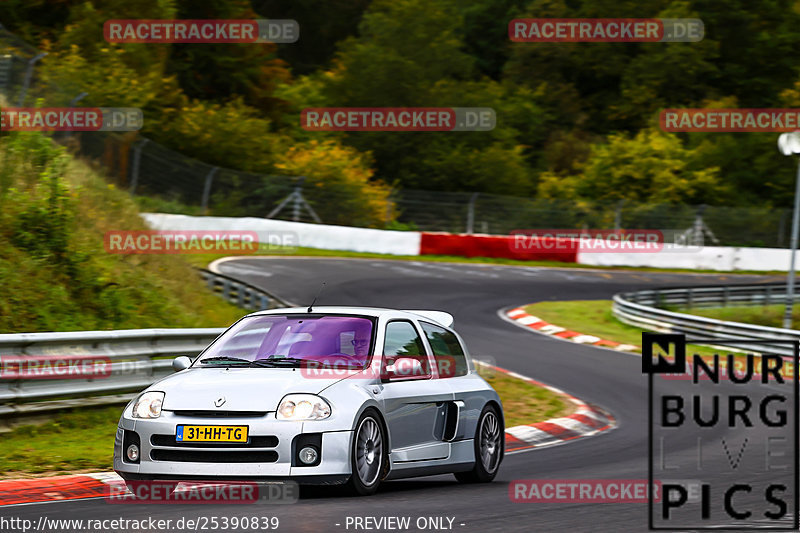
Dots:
{"x": 452, "y": 367}
{"x": 414, "y": 405}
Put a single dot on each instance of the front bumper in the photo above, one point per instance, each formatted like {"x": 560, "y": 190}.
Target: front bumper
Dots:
{"x": 267, "y": 459}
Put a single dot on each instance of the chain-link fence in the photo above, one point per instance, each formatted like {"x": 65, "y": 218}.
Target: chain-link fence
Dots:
{"x": 167, "y": 181}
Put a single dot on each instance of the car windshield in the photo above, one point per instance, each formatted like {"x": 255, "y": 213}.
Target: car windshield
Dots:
{"x": 293, "y": 340}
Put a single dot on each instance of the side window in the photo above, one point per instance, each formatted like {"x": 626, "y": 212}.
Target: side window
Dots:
{"x": 447, "y": 351}
{"x": 402, "y": 339}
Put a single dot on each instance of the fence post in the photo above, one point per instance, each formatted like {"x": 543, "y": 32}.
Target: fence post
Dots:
{"x": 471, "y": 213}
{"x": 618, "y": 215}
{"x": 207, "y": 187}
{"x": 782, "y": 227}
{"x": 388, "y": 215}
{"x": 26, "y": 82}
{"x": 137, "y": 155}
{"x": 68, "y": 134}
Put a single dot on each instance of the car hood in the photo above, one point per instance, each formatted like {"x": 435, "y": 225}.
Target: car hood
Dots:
{"x": 244, "y": 389}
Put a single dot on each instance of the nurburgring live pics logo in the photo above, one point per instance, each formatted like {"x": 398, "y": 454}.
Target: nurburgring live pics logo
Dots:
{"x": 741, "y": 420}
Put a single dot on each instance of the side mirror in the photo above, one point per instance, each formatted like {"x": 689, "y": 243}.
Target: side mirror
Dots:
{"x": 181, "y": 363}
{"x": 403, "y": 367}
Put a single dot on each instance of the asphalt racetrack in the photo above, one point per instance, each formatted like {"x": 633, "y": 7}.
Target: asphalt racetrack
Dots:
{"x": 473, "y": 294}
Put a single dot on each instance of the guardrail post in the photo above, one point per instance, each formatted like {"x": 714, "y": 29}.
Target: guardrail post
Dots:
{"x": 240, "y": 295}
{"x": 689, "y": 298}
{"x": 768, "y": 296}
{"x": 226, "y": 289}
{"x": 725, "y": 296}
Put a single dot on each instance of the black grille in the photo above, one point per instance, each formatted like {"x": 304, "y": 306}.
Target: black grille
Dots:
{"x": 255, "y": 441}
{"x": 222, "y": 414}
{"x": 187, "y": 456}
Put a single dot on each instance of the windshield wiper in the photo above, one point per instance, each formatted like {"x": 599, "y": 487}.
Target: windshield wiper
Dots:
{"x": 225, "y": 359}
{"x": 291, "y": 361}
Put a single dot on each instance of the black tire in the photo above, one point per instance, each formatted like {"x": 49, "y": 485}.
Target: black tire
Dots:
{"x": 369, "y": 459}
{"x": 489, "y": 448}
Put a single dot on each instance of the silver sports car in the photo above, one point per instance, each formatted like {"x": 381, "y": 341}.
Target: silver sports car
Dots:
{"x": 328, "y": 395}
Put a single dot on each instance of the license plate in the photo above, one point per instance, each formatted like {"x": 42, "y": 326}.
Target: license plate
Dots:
{"x": 185, "y": 433}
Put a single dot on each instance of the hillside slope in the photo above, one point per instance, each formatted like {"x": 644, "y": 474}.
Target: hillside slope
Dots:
{"x": 55, "y": 274}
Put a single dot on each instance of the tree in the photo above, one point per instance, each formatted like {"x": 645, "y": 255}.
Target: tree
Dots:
{"x": 650, "y": 167}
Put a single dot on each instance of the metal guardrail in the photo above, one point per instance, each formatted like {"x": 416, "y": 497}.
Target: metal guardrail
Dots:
{"x": 136, "y": 358}
{"x": 240, "y": 293}
{"x": 642, "y": 310}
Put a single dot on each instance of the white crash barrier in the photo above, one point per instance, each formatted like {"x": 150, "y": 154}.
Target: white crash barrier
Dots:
{"x": 408, "y": 243}
{"x": 307, "y": 235}
{"x": 707, "y": 258}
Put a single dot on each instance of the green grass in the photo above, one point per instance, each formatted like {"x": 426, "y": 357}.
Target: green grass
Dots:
{"x": 72, "y": 442}
{"x": 56, "y": 274}
{"x": 525, "y": 403}
{"x": 84, "y": 441}
{"x": 767, "y": 315}
{"x": 594, "y": 317}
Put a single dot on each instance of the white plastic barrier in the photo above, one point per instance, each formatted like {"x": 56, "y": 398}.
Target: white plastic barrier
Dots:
{"x": 307, "y": 235}
{"x": 408, "y": 243}
{"x": 708, "y": 258}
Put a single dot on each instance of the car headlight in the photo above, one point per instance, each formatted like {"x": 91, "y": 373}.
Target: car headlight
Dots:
{"x": 148, "y": 405}
{"x": 303, "y": 407}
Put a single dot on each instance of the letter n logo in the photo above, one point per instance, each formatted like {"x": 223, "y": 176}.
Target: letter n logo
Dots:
{"x": 663, "y": 353}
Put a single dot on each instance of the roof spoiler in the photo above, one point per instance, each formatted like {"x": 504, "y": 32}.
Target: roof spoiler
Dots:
{"x": 445, "y": 319}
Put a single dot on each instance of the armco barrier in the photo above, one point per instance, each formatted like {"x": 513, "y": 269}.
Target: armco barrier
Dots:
{"x": 639, "y": 309}
{"x": 549, "y": 249}
{"x": 240, "y": 293}
{"x": 138, "y": 358}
